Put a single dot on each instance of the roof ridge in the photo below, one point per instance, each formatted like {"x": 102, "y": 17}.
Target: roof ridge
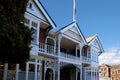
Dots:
{"x": 89, "y": 39}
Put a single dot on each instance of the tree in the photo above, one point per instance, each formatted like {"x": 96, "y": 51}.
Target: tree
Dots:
{"x": 15, "y": 37}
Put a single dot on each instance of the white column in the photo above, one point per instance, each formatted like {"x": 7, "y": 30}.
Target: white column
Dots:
{"x": 39, "y": 70}
{"x": 81, "y": 72}
{"x": 55, "y": 46}
{"x": 35, "y": 69}
{"x": 91, "y": 52}
{"x": 38, "y": 31}
{"x": 80, "y": 45}
{"x": 17, "y": 71}
{"x": 27, "y": 70}
{"x": 91, "y": 74}
{"x": 59, "y": 41}
{"x": 96, "y": 74}
{"x": 58, "y": 70}
{"x": 5, "y": 71}
{"x": 84, "y": 74}
{"x": 54, "y": 74}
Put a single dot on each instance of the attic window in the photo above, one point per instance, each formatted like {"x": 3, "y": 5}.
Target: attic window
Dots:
{"x": 30, "y": 5}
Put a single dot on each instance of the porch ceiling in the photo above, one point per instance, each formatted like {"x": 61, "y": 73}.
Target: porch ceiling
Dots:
{"x": 68, "y": 44}
{"x": 43, "y": 25}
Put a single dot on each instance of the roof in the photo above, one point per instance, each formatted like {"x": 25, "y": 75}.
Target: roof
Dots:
{"x": 64, "y": 27}
{"x": 45, "y": 13}
{"x": 70, "y": 25}
{"x": 90, "y": 38}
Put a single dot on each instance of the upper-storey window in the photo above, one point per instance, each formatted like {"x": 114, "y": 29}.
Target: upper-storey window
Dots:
{"x": 27, "y": 22}
{"x": 113, "y": 72}
{"x": 33, "y": 25}
{"x": 118, "y": 71}
{"x": 30, "y": 5}
{"x": 94, "y": 56}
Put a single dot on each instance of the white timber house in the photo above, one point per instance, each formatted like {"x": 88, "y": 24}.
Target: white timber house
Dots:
{"x": 61, "y": 55}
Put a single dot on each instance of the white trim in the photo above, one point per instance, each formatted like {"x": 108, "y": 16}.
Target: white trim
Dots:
{"x": 70, "y": 38}
{"x": 75, "y": 25}
{"x": 42, "y": 9}
{"x": 100, "y": 46}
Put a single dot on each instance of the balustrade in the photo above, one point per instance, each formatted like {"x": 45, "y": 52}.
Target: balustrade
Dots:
{"x": 46, "y": 48}
{"x": 86, "y": 59}
{"x": 65, "y": 55}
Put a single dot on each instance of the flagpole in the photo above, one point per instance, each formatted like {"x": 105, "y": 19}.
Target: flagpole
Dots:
{"x": 74, "y": 10}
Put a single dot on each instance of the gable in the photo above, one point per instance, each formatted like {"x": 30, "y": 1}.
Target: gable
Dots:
{"x": 96, "y": 43}
{"x": 73, "y": 33}
{"x": 72, "y": 30}
{"x": 35, "y": 11}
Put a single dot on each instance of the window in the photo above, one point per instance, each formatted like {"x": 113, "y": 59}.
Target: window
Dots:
{"x": 112, "y": 78}
{"x": 113, "y": 72}
{"x": 27, "y": 21}
{"x": 119, "y": 71}
{"x": 30, "y": 5}
{"x": 104, "y": 69}
{"x": 34, "y": 26}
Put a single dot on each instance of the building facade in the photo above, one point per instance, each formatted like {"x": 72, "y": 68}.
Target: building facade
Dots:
{"x": 61, "y": 55}
{"x": 115, "y": 72}
{"x": 104, "y": 72}
{"x": 109, "y": 72}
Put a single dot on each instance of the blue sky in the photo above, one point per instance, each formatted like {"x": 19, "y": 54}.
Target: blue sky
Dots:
{"x": 101, "y": 17}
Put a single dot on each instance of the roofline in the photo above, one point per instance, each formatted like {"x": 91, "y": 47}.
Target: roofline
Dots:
{"x": 81, "y": 33}
{"x": 45, "y": 11}
{"x": 64, "y": 27}
{"x": 78, "y": 28}
{"x": 99, "y": 42}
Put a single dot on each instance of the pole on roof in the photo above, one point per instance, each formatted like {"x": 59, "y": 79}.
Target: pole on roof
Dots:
{"x": 74, "y": 10}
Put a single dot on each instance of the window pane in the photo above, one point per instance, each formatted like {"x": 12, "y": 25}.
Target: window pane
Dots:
{"x": 27, "y": 21}
{"x": 34, "y": 36}
{"x": 34, "y": 24}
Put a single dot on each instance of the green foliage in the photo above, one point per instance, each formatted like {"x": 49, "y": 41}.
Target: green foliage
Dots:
{"x": 15, "y": 37}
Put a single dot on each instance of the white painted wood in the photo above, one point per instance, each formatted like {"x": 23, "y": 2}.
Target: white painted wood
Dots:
{"x": 58, "y": 76}
{"x": 45, "y": 13}
{"x": 36, "y": 61}
{"x": 27, "y": 70}
{"x": 5, "y": 71}
{"x": 35, "y": 10}
{"x": 17, "y": 71}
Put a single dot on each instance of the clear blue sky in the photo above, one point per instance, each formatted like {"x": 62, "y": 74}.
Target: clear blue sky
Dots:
{"x": 100, "y": 17}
